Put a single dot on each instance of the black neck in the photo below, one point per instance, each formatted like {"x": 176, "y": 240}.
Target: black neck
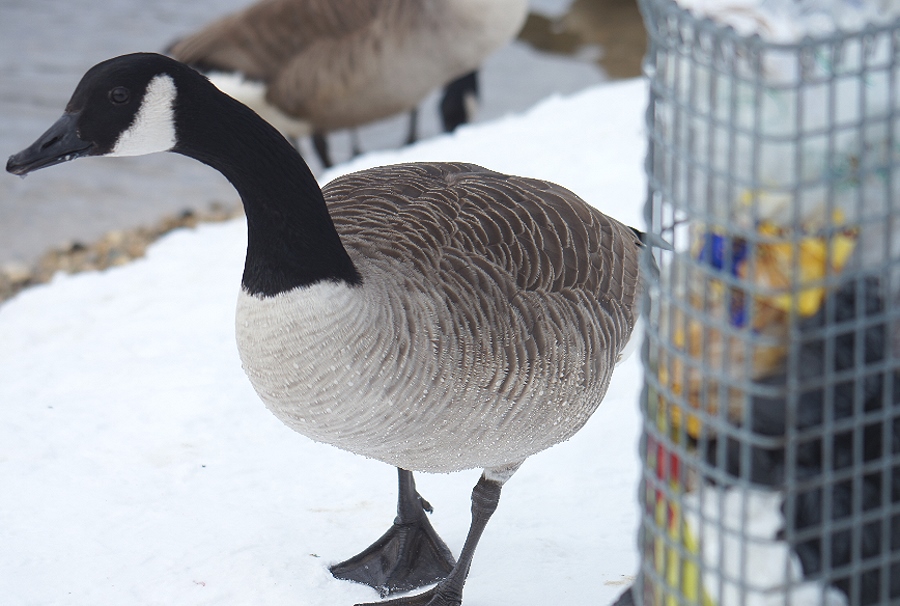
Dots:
{"x": 292, "y": 240}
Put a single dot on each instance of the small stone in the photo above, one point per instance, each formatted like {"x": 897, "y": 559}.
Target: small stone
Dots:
{"x": 16, "y": 272}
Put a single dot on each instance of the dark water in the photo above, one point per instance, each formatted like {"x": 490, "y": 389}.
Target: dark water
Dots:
{"x": 46, "y": 45}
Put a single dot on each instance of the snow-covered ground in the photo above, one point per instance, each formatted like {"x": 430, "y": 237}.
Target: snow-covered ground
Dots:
{"x": 138, "y": 467}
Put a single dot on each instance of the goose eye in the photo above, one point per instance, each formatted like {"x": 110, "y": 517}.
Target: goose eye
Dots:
{"x": 119, "y": 95}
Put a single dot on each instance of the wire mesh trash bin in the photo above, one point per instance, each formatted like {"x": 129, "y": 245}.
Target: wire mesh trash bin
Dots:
{"x": 771, "y": 438}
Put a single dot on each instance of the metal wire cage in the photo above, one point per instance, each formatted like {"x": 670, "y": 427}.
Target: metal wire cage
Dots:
{"x": 771, "y": 437}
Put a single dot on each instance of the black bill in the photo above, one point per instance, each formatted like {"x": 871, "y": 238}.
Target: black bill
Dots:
{"x": 59, "y": 144}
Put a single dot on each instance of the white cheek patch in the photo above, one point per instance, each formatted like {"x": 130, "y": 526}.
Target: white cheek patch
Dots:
{"x": 153, "y": 129}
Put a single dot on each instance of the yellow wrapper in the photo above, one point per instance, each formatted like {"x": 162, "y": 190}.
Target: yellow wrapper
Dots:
{"x": 715, "y": 349}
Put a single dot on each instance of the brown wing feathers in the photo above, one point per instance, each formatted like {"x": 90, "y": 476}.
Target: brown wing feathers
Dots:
{"x": 522, "y": 236}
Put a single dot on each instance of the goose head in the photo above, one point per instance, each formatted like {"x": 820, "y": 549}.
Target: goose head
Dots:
{"x": 121, "y": 107}
{"x": 145, "y": 103}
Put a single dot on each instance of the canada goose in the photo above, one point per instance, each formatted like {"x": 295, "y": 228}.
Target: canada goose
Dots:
{"x": 434, "y": 316}
{"x": 313, "y": 66}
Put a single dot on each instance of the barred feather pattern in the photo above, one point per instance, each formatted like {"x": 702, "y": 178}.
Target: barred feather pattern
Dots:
{"x": 490, "y": 317}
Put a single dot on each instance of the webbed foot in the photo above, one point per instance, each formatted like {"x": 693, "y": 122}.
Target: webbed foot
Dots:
{"x": 448, "y": 592}
{"x": 433, "y": 597}
{"x": 409, "y": 555}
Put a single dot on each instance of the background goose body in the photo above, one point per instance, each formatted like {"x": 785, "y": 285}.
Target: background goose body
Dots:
{"x": 313, "y": 66}
{"x": 490, "y": 316}
{"x": 436, "y": 316}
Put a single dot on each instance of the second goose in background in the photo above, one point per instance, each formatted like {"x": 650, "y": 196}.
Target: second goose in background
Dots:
{"x": 310, "y": 67}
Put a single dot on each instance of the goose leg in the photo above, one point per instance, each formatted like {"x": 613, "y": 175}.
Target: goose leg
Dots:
{"x": 355, "y": 147}
{"x": 412, "y": 135}
{"x": 448, "y": 592}
{"x": 409, "y": 555}
{"x": 460, "y": 101}
{"x": 320, "y": 143}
